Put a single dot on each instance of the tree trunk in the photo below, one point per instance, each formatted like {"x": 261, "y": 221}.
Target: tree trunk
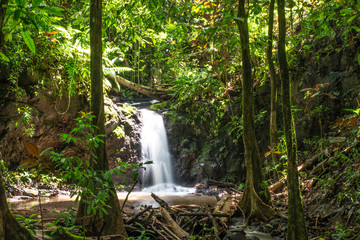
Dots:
{"x": 273, "y": 85}
{"x": 158, "y": 94}
{"x": 9, "y": 227}
{"x": 112, "y": 223}
{"x": 296, "y": 223}
{"x": 255, "y": 201}
{"x": 2, "y": 18}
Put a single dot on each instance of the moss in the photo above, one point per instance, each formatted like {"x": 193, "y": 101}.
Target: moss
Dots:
{"x": 159, "y": 106}
{"x": 119, "y": 132}
{"x": 128, "y": 111}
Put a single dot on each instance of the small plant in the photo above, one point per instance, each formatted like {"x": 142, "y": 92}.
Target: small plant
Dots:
{"x": 29, "y": 222}
{"x": 26, "y": 116}
{"x": 340, "y": 233}
{"x": 145, "y": 234}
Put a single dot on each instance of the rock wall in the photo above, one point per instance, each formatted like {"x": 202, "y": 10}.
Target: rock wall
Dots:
{"x": 46, "y": 124}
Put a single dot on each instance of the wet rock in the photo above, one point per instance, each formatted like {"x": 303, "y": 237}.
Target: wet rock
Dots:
{"x": 276, "y": 233}
{"x": 235, "y": 236}
{"x": 266, "y": 228}
{"x": 277, "y": 221}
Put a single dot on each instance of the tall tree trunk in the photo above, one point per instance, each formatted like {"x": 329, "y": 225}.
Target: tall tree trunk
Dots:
{"x": 2, "y": 18}
{"x": 273, "y": 85}
{"x": 112, "y": 223}
{"x": 256, "y": 200}
{"x": 296, "y": 223}
{"x": 9, "y": 227}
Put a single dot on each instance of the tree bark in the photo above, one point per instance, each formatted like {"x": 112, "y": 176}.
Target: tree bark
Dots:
{"x": 255, "y": 201}
{"x": 273, "y": 85}
{"x": 112, "y": 223}
{"x": 2, "y": 18}
{"x": 296, "y": 222}
{"x": 158, "y": 94}
{"x": 9, "y": 227}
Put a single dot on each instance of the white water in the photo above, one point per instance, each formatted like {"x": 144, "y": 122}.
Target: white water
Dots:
{"x": 158, "y": 176}
{"x": 154, "y": 147}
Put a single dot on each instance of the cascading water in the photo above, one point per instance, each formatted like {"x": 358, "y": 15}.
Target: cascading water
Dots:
{"x": 159, "y": 174}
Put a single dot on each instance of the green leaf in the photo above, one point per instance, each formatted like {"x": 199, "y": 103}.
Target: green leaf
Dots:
{"x": 88, "y": 211}
{"x": 359, "y": 59}
{"x": 36, "y": 3}
{"x": 351, "y": 19}
{"x": 20, "y": 3}
{"x": 28, "y": 41}
{"x": 4, "y": 57}
{"x": 54, "y": 10}
{"x": 356, "y": 28}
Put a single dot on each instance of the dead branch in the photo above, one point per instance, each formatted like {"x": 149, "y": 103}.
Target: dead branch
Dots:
{"x": 208, "y": 213}
{"x": 137, "y": 215}
{"x": 161, "y": 202}
{"x": 173, "y": 225}
{"x": 205, "y": 214}
{"x": 221, "y": 184}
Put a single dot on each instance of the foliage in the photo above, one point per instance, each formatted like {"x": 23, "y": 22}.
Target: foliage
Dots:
{"x": 29, "y": 222}
{"x": 87, "y": 183}
{"x": 143, "y": 233}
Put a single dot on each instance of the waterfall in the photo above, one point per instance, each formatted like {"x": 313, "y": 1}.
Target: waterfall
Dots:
{"x": 154, "y": 144}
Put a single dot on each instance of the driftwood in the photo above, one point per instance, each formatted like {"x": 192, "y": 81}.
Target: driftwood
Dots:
{"x": 158, "y": 232}
{"x": 302, "y": 167}
{"x": 227, "y": 205}
{"x": 137, "y": 215}
{"x": 162, "y": 225}
{"x": 183, "y": 221}
{"x": 159, "y": 93}
{"x": 173, "y": 225}
{"x": 161, "y": 202}
{"x": 208, "y": 213}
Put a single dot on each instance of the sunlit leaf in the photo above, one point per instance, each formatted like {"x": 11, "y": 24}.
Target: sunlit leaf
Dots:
{"x": 28, "y": 41}
{"x": 33, "y": 149}
{"x": 36, "y": 3}
{"x": 4, "y": 57}
{"x": 55, "y": 10}
{"x": 267, "y": 154}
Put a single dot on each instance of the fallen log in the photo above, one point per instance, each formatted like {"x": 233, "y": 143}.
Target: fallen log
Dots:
{"x": 280, "y": 183}
{"x": 221, "y": 184}
{"x": 161, "y": 202}
{"x": 173, "y": 225}
{"x": 151, "y": 93}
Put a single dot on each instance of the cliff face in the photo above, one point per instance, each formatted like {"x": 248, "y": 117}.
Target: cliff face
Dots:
{"x": 39, "y": 122}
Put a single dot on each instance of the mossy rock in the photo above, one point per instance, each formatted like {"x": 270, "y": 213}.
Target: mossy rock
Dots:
{"x": 119, "y": 132}
{"x": 159, "y": 106}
